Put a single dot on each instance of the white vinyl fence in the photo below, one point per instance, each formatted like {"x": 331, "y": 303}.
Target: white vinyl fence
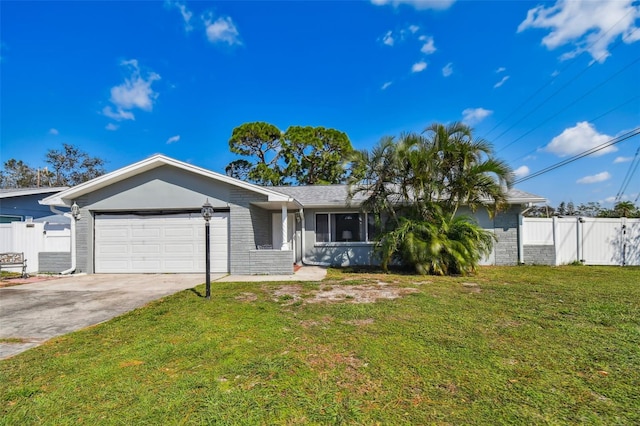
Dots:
{"x": 592, "y": 241}
{"x": 32, "y": 238}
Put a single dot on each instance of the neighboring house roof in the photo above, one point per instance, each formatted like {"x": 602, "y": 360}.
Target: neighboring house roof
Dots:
{"x": 65, "y": 198}
{"x": 20, "y": 192}
{"x": 335, "y": 195}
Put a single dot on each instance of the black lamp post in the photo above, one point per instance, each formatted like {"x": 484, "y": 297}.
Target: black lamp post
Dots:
{"x": 207, "y": 212}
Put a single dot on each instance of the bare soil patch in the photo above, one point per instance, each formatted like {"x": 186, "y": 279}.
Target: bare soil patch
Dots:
{"x": 340, "y": 293}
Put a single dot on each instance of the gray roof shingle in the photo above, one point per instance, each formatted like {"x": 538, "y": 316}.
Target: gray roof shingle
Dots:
{"x": 336, "y": 195}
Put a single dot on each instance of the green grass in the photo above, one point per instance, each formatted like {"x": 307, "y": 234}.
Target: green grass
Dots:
{"x": 524, "y": 345}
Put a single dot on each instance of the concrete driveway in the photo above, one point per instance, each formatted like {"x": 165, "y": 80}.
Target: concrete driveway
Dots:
{"x": 39, "y": 311}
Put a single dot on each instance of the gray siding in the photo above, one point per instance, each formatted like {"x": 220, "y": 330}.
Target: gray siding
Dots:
{"x": 243, "y": 230}
{"x": 506, "y": 230}
{"x": 84, "y": 238}
{"x": 271, "y": 262}
{"x": 53, "y": 261}
{"x": 539, "y": 255}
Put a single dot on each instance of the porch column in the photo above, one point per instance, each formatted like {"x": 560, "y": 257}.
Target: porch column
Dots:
{"x": 285, "y": 242}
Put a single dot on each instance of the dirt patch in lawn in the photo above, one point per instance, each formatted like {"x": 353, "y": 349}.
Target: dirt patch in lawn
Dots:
{"x": 340, "y": 293}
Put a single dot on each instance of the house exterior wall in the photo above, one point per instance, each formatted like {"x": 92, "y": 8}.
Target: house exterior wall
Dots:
{"x": 336, "y": 254}
{"x": 271, "y": 262}
{"x": 53, "y": 262}
{"x": 506, "y": 230}
{"x": 504, "y": 225}
{"x": 167, "y": 188}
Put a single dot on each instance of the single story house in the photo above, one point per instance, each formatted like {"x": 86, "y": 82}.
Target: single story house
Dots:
{"x": 21, "y": 205}
{"x": 146, "y": 218}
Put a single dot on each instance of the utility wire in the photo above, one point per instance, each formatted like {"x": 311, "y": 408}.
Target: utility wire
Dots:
{"x": 554, "y": 77}
{"x": 580, "y": 74}
{"x": 590, "y": 121}
{"x": 575, "y": 101}
{"x": 633, "y": 166}
{"x": 611, "y": 142}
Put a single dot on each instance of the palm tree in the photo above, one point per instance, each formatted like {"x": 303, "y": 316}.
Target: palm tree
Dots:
{"x": 420, "y": 181}
{"x": 470, "y": 173}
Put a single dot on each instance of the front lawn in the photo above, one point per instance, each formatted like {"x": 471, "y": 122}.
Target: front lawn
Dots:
{"x": 520, "y": 345}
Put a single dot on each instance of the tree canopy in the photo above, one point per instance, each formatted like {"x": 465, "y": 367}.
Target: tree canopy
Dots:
{"x": 419, "y": 182}
{"x": 68, "y": 166}
{"x": 302, "y": 155}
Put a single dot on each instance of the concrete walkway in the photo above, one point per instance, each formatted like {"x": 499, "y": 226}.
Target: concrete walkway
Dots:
{"x": 306, "y": 273}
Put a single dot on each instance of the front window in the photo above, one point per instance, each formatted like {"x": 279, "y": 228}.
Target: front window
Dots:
{"x": 344, "y": 227}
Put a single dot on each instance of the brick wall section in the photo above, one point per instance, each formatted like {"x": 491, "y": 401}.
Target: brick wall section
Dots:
{"x": 242, "y": 230}
{"x": 271, "y": 262}
{"x": 506, "y": 230}
{"x": 539, "y": 255}
{"x": 53, "y": 261}
{"x": 83, "y": 238}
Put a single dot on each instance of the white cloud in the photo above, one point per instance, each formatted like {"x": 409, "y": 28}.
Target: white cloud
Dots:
{"x": 112, "y": 127}
{"x": 414, "y": 28}
{"x": 386, "y": 85}
{"x": 590, "y": 26}
{"x": 419, "y": 66}
{"x": 521, "y": 171}
{"x": 500, "y": 69}
{"x": 501, "y": 82}
{"x": 417, "y": 4}
{"x": 135, "y": 92}
{"x": 475, "y": 115}
{"x": 622, "y": 160}
{"x": 388, "y": 38}
{"x": 117, "y": 115}
{"x": 186, "y": 13}
{"x": 173, "y": 139}
{"x": 428, "y": 47}
{"x": 574, "y": 140}
{"x": 222, "y": 30}
{"x": 53, "y": 131}
{"x": 447, "y": 70}
{"x": 599, "y": 177}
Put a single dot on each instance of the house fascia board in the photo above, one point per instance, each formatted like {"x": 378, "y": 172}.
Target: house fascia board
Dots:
{"x": 32, "y": 191}
{"x": 66, "y": 197}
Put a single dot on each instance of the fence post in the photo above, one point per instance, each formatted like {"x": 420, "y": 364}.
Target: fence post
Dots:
{"x": 556, "y": 260}
{"x": 579, "y": 240}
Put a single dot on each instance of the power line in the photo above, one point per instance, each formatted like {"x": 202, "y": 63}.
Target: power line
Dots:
{"x": 548, "y": 98}
{"x": 611, "y": 142}
{"x": 590, "y": 121}
{"x": 633, "y": 166}
{"x": 554, "y": 77}
{"x": 575, "y": 101}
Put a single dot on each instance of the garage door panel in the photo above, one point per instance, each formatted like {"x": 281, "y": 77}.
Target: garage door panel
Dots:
{"x": 148, "y": 244}
{"x": 145, "y": 248}
{"x": 141, "y": 232}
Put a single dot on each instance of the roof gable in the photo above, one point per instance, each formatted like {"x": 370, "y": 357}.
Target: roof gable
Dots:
{"x": 66, "y": 197}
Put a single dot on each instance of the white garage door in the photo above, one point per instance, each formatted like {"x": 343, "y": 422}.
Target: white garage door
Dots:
{"x": 159, "y": 243}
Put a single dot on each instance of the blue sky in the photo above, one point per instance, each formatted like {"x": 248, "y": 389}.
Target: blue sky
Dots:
{"x": 125, "y": 80}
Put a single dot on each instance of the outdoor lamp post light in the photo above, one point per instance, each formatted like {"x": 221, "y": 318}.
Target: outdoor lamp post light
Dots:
{"x": 207, "y": 212}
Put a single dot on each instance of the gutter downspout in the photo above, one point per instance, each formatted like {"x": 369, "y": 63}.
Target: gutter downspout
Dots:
{"x": 73, "y": 239}
{"x": 306, "y": 261}
{"x": 520, "y": 232}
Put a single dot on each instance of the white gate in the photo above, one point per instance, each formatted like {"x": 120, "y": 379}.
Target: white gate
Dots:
{"x": 32, "y": 238}
{"x": 592, "y": 241}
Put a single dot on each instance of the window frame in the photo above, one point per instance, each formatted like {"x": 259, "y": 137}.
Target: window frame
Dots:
{"x": 364, "y": 223}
